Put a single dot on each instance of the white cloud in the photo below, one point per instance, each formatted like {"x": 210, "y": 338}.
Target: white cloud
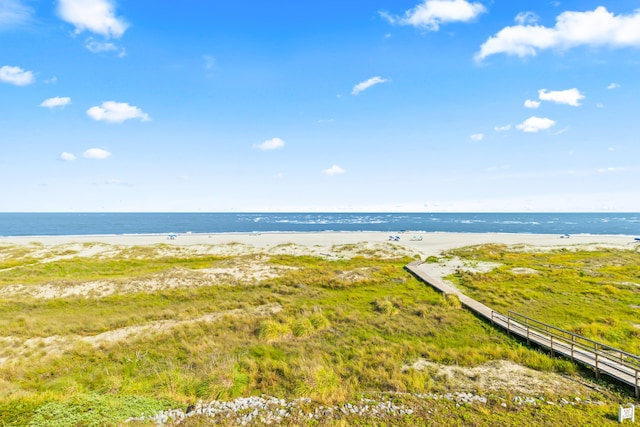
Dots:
{"x": 362, "y": 86}
{"x": 531, "y": 104}
{"x": 432, "y": 13}
{"x": 502, "y": 128}
{"x": 14, "y": 12}
{"x": 591, "y": 28}
{"x": 333, "y": 170}
{"x": 477, "y": 136}
{"x": 569, "y": 97}
{"x": 613, "y": 86}
{"x": 96, "y": 153}
{"x": 524, "y": 18}
{"x": 97, "y": 47}
{"x": 535, "y": 124}
{"x": 56, "y": 102}
{"x": 270, "y": 144}
{"x": 16, "y": 76}
{"x": 67, "y": 157}
{"x": 117, "y": 112}
{"x": 96, "y": 16}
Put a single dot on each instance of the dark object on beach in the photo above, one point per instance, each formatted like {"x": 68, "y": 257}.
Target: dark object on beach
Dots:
{"x": 190, "y": 409}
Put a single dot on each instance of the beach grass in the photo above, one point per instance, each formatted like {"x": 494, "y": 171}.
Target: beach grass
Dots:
{"x": 594, "y": 293}
{"x": 333, "y": 330}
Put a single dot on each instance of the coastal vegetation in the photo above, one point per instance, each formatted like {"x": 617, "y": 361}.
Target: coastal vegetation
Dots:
{"x": 594, "y": 293}
{"x": 98, "y": 338}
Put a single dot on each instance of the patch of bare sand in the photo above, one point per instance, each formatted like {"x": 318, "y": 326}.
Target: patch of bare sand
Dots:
{"x": 524, "y": 270}
{"x": 499, "y": 375}
{"x": 13, "y": 348}
{"x": 447, "y": 266}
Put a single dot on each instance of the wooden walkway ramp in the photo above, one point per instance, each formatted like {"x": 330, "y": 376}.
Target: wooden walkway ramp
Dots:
{"x": 617, "y": 364}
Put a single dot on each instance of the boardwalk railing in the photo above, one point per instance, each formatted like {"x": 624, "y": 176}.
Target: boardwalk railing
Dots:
{"x": 603, "y": 358}
{"x": 611, "y": 361}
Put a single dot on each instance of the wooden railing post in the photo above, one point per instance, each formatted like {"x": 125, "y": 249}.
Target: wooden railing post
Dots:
{"x": 573, "y": 342}
{"x": 597, "y": 370}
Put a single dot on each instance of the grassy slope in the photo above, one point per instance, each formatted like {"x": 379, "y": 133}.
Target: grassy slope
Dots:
{"x": 346, "y": 328}
{"x": 591, "y": 293}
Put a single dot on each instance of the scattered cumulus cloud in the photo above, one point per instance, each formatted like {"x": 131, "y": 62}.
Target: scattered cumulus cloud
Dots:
{"x": 95, "y": 46}
{"x": 431, "y": 14}
{"x": 96, "y": 153}
{"x": 531, "y": 104}
{"x": 362, "y": 86}
{"x": 56, "y": 102}
{"x": 613, "y": 86}
{"x": 333, "y": 170}
{"x": 535, "y": 124}
{"x": 526, "y": 18}
{"x": 598, "y": 27}
{"x": 477, "y": 137}
{"x": 502, "y": 128}
{"x": 96, "y": 16}
{"x": 53, "y": 80}
{"x": 67, "y": 157}
{"x": 568, "y": 97}
{"x": 16, "y": 76}
{"x": 117, "y": 112}
{"x": 270, "y": 144}
{"x": 14, "y": 12}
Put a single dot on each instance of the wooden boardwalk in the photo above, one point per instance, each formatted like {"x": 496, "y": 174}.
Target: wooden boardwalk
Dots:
{"x": 617, "y": 364}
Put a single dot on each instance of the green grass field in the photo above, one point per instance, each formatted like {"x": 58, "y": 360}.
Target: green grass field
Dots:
{"x": 333, "y": 330}
{"x": 592, "y": 293}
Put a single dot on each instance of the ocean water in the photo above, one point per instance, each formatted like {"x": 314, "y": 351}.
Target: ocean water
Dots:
{"x": 52, "y": 224}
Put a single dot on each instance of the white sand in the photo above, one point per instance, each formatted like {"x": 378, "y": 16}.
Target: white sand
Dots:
{"x": 324, "y": 242}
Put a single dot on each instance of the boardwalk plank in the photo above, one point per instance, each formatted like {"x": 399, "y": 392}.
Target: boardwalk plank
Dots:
{"x": 600, "y": 361}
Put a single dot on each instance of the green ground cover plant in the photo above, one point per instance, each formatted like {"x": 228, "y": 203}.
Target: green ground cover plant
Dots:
{"x": 593, "y": 293}
{"x": 335, "y": 330}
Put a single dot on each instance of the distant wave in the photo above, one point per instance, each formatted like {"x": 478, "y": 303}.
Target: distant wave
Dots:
{"x": 43, "y": 224}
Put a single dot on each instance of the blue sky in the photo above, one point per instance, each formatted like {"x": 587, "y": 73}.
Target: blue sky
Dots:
{"x": 377, "y": 105}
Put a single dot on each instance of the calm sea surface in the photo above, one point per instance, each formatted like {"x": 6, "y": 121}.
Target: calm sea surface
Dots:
{"x": 45, "y": 224}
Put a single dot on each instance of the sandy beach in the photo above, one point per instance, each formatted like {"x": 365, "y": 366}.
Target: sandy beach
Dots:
{"x": 424, "y": 244}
